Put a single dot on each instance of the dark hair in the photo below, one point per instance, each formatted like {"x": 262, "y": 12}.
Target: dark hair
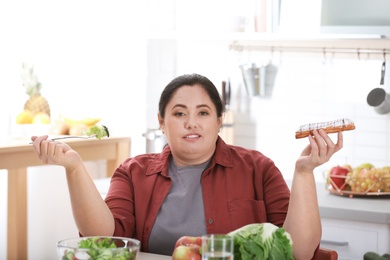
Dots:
{"x": 190, "y": 80}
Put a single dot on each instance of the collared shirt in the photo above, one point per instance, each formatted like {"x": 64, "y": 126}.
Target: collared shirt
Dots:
{"x": 239, "y": 187}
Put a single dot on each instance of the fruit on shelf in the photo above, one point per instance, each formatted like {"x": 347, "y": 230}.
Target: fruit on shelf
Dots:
{"x": 41, "y": 118}
{"x": 367, "y": 178}
{"x": 338, "y": 176}
{"x": 36, "y": 102}
{"x": 85, "y": 126}
{"x": 88, "y": 121}
{"x": 362, "y": 166}
{"x": 385, "y": 171}
{"x": 348, "y": 166}
{"x": 36, "y": 108}
{"x": 24, "y": 117}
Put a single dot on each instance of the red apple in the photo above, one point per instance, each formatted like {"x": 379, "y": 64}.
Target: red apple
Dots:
{"x": 187, "y": 248}
{"x": 188, "y": 252}
{"x": 188, "y": 240}
{"x": 338, "y": 176}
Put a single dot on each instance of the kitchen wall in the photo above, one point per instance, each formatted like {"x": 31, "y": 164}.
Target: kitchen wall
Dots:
{"x": 308, "y": 88}
{"x": 90, "y": 58}
{"x": 313, "y": 90}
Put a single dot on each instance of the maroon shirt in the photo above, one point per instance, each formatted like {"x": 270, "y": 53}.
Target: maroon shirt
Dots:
{"x": 239, "y": 187}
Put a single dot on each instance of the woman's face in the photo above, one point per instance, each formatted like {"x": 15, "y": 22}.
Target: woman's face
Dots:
{"x": 191, "y": 125}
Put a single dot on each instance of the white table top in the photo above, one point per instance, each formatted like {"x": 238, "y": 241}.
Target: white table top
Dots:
{"x": 373, "y": 209}
{"x": 148, "y": 256}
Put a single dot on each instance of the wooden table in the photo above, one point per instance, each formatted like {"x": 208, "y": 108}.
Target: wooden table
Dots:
{"x": 16, "y": 155}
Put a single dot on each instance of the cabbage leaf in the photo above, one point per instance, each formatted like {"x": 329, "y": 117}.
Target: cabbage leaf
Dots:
{"x": 262, "y": 241}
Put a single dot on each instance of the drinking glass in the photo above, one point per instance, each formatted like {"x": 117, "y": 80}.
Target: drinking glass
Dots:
{"x": 217, "y": 247}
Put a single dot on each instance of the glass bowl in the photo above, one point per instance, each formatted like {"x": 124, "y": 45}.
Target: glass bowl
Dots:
{"x": 98, "y": 247}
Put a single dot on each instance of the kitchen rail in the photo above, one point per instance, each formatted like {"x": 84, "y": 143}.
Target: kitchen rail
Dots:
{"x": 364, "y": 49}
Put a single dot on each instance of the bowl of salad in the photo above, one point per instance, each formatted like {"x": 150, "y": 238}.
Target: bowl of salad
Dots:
{"x": 100, "y": 247}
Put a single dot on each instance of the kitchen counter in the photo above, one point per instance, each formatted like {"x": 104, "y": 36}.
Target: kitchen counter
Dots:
{"x": 375, "y": 209}
{"x": 353, "y": 226}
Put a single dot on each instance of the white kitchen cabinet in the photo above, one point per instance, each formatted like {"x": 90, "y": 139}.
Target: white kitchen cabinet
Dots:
{"x": 352, "y": 239}
{"x": 353, "y": 226}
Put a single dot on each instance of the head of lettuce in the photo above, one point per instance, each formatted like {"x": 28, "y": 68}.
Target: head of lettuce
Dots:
{"x": 262, "y": 241}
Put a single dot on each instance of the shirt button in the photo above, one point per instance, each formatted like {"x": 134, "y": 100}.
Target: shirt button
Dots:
{"x": 211, "y": 221}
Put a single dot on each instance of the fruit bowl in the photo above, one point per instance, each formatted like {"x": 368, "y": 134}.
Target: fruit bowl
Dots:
{"x": 101, "y": 247}
{"x": 369, "y": 181}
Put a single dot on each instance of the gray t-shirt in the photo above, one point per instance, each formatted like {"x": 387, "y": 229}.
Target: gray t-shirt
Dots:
{"x": 182, "y": 212}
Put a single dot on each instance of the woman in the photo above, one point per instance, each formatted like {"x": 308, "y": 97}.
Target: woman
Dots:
{"x": 198, "y": 184}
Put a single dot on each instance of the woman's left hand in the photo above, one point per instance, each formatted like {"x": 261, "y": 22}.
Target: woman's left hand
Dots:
{"x": 319, "y": 151}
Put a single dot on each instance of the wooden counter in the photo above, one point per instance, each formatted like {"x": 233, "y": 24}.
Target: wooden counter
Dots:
{"x": 17, "y": 155}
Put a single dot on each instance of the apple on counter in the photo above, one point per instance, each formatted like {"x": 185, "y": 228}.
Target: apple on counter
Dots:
{"x": 338, "y": 175}
{"x": 187, "y": 248}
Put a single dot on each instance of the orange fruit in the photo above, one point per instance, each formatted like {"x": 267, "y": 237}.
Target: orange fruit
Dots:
{"x": 24, "y": 117}
{"x": 41, "y": 118}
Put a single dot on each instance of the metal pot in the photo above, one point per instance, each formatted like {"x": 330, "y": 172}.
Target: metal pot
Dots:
{"x": 259, "y": 80}
{"x": 378, "y": 98}
{"x": 253, "y": 77}
{"x": 155, "y": 140}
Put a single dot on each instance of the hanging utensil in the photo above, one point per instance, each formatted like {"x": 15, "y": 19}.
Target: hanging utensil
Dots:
{"x": 383, "y": 71}
{"x": 226, "y": 93}
{"x": 378, "y": 97}
{"x": 252, "y": 75}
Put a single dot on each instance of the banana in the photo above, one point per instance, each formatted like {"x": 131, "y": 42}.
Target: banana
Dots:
{"x": 88, "y": 121}
{"x": 91, "y": 121}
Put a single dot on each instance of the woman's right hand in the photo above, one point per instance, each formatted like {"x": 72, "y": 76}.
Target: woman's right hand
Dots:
{"x": 54, "y": 152}
{"x": 87, "y": 203}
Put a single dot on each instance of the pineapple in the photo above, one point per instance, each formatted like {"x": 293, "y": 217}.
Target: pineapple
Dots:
{"x": 36, "y": 103}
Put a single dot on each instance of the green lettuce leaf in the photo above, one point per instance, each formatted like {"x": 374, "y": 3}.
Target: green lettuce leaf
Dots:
{"x": 262, "y": 241}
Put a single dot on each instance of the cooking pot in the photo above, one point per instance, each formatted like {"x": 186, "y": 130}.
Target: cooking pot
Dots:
{"x": 259, "y": 80}
{"x": 378, "y": 98}
{"x": 155, "y": 140}
{"x": 253, "y": 76}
